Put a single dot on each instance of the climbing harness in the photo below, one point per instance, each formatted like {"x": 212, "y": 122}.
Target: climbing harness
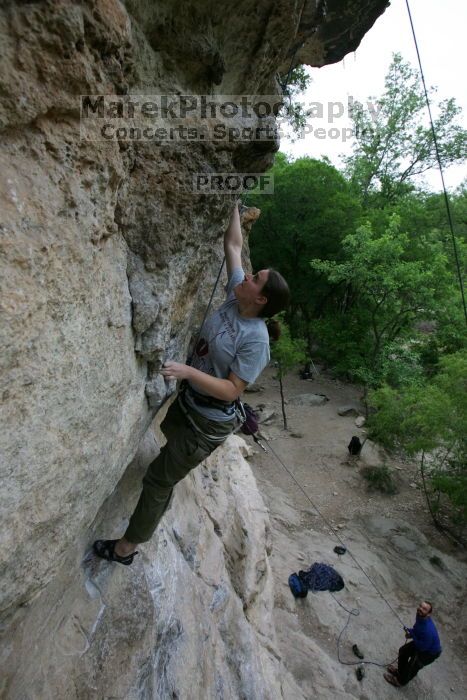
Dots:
{"x": 192, "y": 422}
{"x": 206, "y": 401}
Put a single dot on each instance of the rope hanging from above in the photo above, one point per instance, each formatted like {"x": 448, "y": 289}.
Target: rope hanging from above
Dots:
{"x": 438, "y": 158}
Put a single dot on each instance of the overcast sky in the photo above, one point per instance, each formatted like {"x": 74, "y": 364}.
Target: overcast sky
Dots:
{"x": 440, "y": 26}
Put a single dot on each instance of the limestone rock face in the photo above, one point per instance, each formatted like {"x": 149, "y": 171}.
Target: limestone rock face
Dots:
{"x": 191, "y": 618}
{"x": 106, "y": 261}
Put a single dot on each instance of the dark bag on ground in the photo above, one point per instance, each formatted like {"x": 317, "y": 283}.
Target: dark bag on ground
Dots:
{"x": 319, "y": 577}
{"x": 355, "y": 446}
{"x": 322, "y": 577}
{"x": 297, "y": 587}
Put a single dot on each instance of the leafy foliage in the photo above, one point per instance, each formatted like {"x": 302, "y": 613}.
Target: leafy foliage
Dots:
{"x": 311, "y": 211}
{"x": 380, "y": 301}
{"x": 379, "y": 479}
{"x": 428, "y": 418}
{"x": 293, "y": 85}
{"x": 382, "y": 287}
{"x": 394, "y": 142}
{"x": 423, "y": 217}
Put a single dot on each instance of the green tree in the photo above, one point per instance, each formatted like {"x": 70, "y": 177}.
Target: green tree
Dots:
{"x": 293, "y": 86}
{"x": 311, "y": 211}
{"x": 423, "y": 217}
{"x": 288, "y": 354}
{"x": 427, "y": 419}
{"x": 394, "y": 141}
{"x": 381, "y": 290}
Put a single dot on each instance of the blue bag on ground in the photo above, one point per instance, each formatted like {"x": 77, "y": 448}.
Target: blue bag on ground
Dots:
{"x": 321, "y": 577}
{"x": 297, "y": 587}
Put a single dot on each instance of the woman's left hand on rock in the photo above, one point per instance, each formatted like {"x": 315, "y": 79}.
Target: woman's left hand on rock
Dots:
{"x": 175, "y": 370}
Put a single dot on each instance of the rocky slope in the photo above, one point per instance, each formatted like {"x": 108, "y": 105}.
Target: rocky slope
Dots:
{"x": 106, "y": 260}
{"x": 390, "y": 537}
{"x": 192, "y": 618}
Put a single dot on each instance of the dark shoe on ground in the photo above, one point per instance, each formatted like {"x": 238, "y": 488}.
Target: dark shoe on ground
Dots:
{"x": 392, "y": 680}
{"x": 360, "y": 673}
{"x": 106, "y": 550}
{"x": 357, "y": 652}
{"x": 392, "y": 669}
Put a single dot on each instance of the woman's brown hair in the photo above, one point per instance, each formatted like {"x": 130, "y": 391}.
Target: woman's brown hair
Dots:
{"x": 274, "y": 329}
{"x": 277, "y": 292}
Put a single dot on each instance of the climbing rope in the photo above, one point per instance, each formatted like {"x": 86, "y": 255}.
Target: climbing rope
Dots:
{"x": 353, "y": 612}
{"x": 242, "y": 199}
{"x": 438, "y": 158}
{"x": 207, "y": 310}
{"x": 284, "y": 85}
{"x": 212, "y": 295}
{"x": 334, "y": 532}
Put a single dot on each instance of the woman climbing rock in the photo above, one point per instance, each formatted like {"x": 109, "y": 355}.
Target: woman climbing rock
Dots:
{"x": 232, "y": 351}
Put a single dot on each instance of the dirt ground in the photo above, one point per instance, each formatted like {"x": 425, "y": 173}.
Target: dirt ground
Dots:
{"x": 393, "y": 536}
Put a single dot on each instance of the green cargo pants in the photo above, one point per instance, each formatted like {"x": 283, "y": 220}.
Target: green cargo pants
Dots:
{"x": 185, "y": 449}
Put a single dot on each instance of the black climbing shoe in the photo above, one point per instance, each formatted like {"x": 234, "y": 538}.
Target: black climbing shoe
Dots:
{"x": 357, "y": 652}
{"x": 360, "y": 673}
{"x": 106, "y": 550}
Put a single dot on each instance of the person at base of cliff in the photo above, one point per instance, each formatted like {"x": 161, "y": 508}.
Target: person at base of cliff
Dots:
{"x": 231, "y": 353}
{"x": 424, "y": 648}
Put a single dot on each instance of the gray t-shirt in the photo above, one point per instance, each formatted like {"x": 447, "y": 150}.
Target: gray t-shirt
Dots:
{"x": 230, "y": 343}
